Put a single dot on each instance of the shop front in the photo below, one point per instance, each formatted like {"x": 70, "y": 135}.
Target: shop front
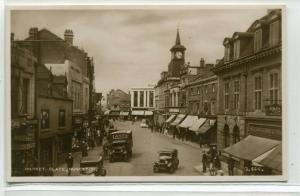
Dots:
{"x": 174, "y": 129}
{"x": 248, "y": 151}
{"x": 23, "y": 147}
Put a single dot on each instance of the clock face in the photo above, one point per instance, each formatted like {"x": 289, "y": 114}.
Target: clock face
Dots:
{"x": 178, "y": 55}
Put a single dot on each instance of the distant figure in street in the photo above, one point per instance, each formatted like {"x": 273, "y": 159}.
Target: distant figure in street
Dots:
{"x": 84, "y": 149}
{"x": 204, "y": 161}
{"x": 69, "y": 161}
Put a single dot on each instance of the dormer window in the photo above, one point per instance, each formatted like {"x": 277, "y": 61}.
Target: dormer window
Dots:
{"x": 274, "y": 33}
{"x": 236, "y": 49}
{"x": 257, "y": 40}
{"x": 227, "y": 53}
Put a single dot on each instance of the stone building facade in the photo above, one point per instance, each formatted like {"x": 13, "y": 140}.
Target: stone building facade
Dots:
{"x": 250, "y": 90}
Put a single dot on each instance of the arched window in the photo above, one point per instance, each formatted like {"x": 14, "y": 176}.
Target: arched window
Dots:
{"x": 226, "y": 135}
{"x": 236, "y": 134}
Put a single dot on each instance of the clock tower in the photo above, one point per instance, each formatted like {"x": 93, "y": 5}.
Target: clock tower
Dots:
{"x": 177, "y": 57}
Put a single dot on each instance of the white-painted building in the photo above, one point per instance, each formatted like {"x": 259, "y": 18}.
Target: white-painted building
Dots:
{"x": 142, "y": 100}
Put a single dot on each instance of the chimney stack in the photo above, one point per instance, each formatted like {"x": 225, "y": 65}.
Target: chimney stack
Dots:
{"x": 33, "y": 33}
{"x": 68, "y": 35}
{"x": 202, "y": 62}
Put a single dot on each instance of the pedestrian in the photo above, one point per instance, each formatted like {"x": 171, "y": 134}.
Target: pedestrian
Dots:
{"x": 204, "y": 161}
{"x": 230, "y": 166}
{"x": 69, "y": 161}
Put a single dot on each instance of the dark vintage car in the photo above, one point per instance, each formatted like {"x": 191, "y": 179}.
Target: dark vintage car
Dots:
{"x": 120, "y": 145}
{"x": 168, "y": 161}
{"x": 91, "y": 165}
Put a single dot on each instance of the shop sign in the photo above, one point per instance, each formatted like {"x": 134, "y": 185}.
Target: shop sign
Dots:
{"x": 273, "y": 110}
{"x": 174, "y": 110}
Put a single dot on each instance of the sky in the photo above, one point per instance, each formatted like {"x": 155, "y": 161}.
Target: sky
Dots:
{"x": 131, "y": 47}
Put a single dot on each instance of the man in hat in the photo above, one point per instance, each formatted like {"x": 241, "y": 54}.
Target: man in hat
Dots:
{"x": 69, "y": 161}
{"x": 204, "y": 161}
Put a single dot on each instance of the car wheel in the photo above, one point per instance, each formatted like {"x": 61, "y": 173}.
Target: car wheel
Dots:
{"x": 103, "y": 173}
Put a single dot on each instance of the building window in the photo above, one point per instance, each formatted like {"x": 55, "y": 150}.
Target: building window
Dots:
{"x": 274, "y": 33}
{"x": 236, "y": 49}
{"x": 274, "y": 88}
{"x": 213, "y": 88}
{"x": 61, "y": 118}
{"x": 236, "y": 134}
{"x": 135, "y": 99}
{"x": 226, "y": 94}
{"x": 198, "y": 90}
{"x": 198, "y": 108}
{"x": 45, "y": 119}
{"x": 25, "y": 95}
{"x": 257, "y": 92}
{"x": 192, "y": 91}
{"x": 257, "y": 40}
{"x": 206, "y": 89}
{"x": 226, "y": 135}
{"x": 236, "y": 94}
{"x": 151, "y": 99}
{"x": 227, "y": 53}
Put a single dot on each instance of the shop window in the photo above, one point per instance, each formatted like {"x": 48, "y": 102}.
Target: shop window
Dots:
{"x": 226, "y": 135}
{"x": 274, "y": 33}
{"x": 274, "y": 88}
{"x": 236, "y": 134}
{"x": 236, "y": 94}
{"x": 226, "y": 95}
{"x": 45, "y": 119}
{"x": 62, "y": 118}
{"x": 258, "y": 92}
{"x": 257, "y": 40}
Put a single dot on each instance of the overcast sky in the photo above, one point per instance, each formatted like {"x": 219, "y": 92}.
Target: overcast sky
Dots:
{"x": 131, "y": 47}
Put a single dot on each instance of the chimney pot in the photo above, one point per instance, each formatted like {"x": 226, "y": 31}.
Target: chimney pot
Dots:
{"x": 202, "y": 62}
{"x": 68, "y": 35}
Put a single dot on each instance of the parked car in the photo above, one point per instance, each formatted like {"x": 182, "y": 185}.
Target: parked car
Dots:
{"x": 90, "y": 165}
{"x": 144, "y": 124}
{"x": 168, "y": 161}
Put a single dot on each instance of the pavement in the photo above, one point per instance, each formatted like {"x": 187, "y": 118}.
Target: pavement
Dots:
{"x": 146, "y": 145}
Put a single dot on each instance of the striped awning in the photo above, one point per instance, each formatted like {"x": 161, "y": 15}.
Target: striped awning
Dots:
{"x": 178, "y": 119}
{"x": 188, "y": 121}
{"x": 171, "y": 118}
{"x": 197, "y": 124}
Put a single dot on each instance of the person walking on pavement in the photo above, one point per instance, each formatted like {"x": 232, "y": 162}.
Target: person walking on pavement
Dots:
{"x": 204, "y": 161}
{"x": 69, "y": 161}
{"x": 230, "y": 166}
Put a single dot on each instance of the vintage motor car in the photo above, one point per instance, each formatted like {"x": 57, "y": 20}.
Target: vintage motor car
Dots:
{"x": 144, "y": 124}
{"x": 120, "y": 145}
{"x": 91, "y": 165}
{"x": 168, "y": 161}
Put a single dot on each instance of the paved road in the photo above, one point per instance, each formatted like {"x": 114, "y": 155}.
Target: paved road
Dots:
{"x": 145, "y": 151}
{"x": 145, "y": 148}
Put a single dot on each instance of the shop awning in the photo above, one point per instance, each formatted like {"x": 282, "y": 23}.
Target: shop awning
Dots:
{"x": 138, "y": 113}
{"x": 124, "y": 113}
{"x": 204, "y": 127}
{"x": 171, "y": 118}
{"x": 251, "y": 147}
{"x": 271, "y": 159}
{"x": 197, "y": 124}
{"x": 148, "y": 113}
{"x": 178, "y": 119}
{"x": 106, "y": 112}
{"x": 188, "y": 121}
{"x": 114, "y": 113}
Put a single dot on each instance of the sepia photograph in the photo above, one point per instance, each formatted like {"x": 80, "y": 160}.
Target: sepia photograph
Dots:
{"x": 146, "y": 93}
